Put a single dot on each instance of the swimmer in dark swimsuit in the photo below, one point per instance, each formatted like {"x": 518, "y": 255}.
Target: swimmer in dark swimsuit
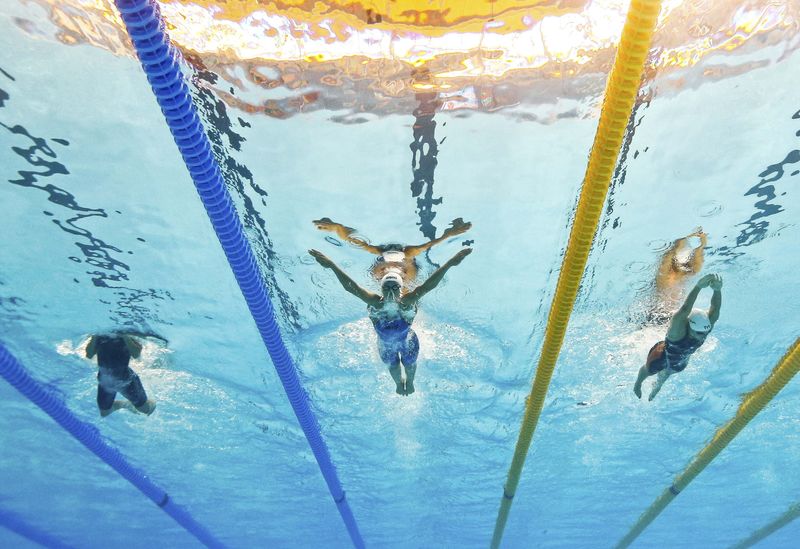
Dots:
{"x": 688, "y": 330}
{"x": 393, "y": 311}
{"x": 683, "y": 260}
{"x": 115, "y": 375}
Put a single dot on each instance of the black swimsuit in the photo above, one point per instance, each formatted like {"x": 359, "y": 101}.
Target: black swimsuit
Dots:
{"x": 672, "y": 354}
{"x": 115, "y": 375}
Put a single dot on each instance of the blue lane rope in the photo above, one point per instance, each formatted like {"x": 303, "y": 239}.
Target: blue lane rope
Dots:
{"x": 161, "y": 64}
{"x": 88, "y": 435}
{"x": 15, "y": 523}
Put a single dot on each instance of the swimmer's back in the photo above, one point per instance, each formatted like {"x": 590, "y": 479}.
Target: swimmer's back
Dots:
{"x": 112, "y": 353}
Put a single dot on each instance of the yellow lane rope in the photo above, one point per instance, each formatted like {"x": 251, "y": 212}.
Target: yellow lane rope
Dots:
{"x": 792, "y": 513}
{"x": 621, "y": 90}
{"x": 752, "y": 404}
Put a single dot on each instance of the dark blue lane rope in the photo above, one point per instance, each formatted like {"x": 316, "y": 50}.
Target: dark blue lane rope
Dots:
{"x": 161, "y": 63}
{"x": 28, "y": 531}
{"x": 89, "y": 436}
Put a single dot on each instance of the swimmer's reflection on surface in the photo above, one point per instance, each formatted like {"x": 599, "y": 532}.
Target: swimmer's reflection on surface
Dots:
{"x": 682, "y": 260}
{"x": 393, "y": 311}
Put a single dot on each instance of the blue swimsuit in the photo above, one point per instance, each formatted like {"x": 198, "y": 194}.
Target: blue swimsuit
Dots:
{"x": 396, "y": 340}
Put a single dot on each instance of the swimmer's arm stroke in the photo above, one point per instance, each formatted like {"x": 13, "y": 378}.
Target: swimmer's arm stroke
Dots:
{"x": 91, "y": 348}
{"x": 348, "y": 283}
{"x": 716, "y": 300}
{"x": 680, "y": 320}
{"x": 346, "y": 234}
{"x": 134, "y": 347}
{"x": 434, "y": 280}
{"x": 457, "y": 227}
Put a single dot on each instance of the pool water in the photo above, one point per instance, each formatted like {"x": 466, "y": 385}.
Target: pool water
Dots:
{"x": 102, "y": 227}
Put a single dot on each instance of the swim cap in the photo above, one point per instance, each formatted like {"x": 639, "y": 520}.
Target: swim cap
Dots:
{"x": 699, "y": 321}
{"x": 393, "y": 256}
{"x": 392, "y": 276}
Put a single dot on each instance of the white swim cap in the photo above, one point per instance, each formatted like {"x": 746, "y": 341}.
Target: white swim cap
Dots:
{"x": 393, "y": 256}
{"x": 699, "y": 321}
{"x": 392, "y": 276}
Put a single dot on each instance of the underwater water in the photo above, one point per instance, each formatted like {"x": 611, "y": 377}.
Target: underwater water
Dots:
{"x": 101, "y": 227}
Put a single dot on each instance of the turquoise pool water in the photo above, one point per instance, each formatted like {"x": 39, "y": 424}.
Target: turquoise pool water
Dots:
{"x": 101, "y": 227}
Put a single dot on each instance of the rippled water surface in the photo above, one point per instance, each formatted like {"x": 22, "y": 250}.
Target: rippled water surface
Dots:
{"x": 101, "y": 227}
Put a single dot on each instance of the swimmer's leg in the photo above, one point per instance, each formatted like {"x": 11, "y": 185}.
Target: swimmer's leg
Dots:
{"x": 346, "y": 234}
{"x": 148, "y": 407}
{"x": 411, "y": 370}
{"x": 391, "y": 358}
{"x": 655, "y": 363}
{"x": 457, "y": 227}
{"x": 644, "y": 373}
{"x": 409, "y": 360}
{"x": 397, "y": 375}
{"x": 105, "y": 401}
{"x": 662, "y": 377}
{"x": 135, "y": 393}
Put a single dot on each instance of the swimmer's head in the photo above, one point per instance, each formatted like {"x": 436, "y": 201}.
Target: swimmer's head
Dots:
{"x": 391, "y": 283}
{"x": 699, "y": 322}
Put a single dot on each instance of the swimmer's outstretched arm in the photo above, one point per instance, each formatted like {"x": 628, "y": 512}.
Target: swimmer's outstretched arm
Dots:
{"x": 91, "y": 348}
{"x": 347, "y": 283}
{"x": 680, "y": 320}
{"x": 134, "y": 347}
{"x": 457, "y": 227}
{"x": 346, "y": 234}
{"x": 716, "y": 299}
{"x": 435, "y": 278}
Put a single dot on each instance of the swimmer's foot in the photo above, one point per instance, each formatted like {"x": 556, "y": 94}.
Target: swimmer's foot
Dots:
{"x": 401, "y": 389}
{"x": 409, "y": 387}
{"x": 637, "y": 390}
{"x": 117, "y": 405}
{"x": 148, "y": 407}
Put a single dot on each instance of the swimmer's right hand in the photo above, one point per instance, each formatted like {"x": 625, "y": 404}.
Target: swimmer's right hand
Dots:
{"x": 321, "y": 258}
{"x": 459, "y": 257}
{"x": 458, "y": 226}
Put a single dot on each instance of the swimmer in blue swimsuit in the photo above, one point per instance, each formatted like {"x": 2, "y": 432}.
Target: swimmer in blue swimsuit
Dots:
{"x": 688, "y": 330}
{"x": 394, "y": 310}
{"x": 114, "y": 352}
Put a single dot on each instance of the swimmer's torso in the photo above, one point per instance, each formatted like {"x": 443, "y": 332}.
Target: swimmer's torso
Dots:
{"x": 112, "y": 354}
{"x": 392, "y": 320}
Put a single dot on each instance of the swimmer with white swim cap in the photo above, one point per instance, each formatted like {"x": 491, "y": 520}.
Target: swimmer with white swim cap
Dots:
{"x": 391, "y": 255}
{"x": 393, "y": 311}
{"x": 688, "y": 330}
